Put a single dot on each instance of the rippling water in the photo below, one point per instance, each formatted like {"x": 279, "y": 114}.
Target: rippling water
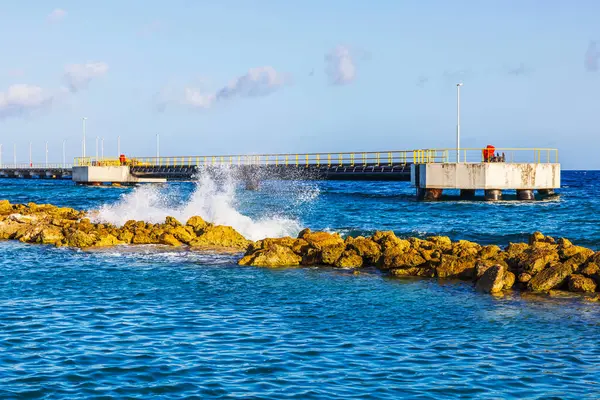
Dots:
{"x": 137, "y": 322}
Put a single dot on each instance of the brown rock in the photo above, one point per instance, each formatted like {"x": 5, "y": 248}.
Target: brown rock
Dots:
{"x": 388, "y": 240}
{"x": 535, "y": 259}
{"x": 368, "y": 249}
{"x": 490, "y": 251}
{"x": 492, "y": 280}
{"x": 580, "y": 283}
{"x": 319, "y": 240}
{"x": 80, "y": 239}
{"x": 142, "y": 236}
{"x": 456, "y": 267}
{"x": 443, "y": 243}
{"x": 550, "y": 278}
{"x": 125, "y": 236}
{"x": 50, "y": 235}
{"x": 274, "y": 255}
{"x": 407, "y": 259}
{"x": 433, "y": 256}
{"x": 8, "y": 228}
{"x": 538, "y": 237}
{"x": 169, "y": 240}
{"x": 515, "y": 249}
{"x": 349, "y": 259}
{"x": 423, "y": 271}
{"x": 197, "y": 224}
{"x": 299, "y": 246}
{"x": 183, "y": 234}
{"x": 571, "y": 251}
{"x": 5, "y": 207}
{"x": 524, "y": 277}
{"x": 464, "y": 248}
{"x": 591, "y": 269}
{"x": 171, "y": 221}
{"x": 331, "y": 253}
{"x": 107, "y": 240}
{"x": 579, "y": 259}
{"x": 509, "y": 280}
{"x": 222, "y": 236}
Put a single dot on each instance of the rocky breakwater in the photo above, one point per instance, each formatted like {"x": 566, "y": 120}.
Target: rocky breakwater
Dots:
{"x": 541, "y": 265}
{"x": 48, "y": 224}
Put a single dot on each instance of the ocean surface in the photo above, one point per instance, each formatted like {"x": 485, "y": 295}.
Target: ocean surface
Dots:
{"x": 135, "y": 322}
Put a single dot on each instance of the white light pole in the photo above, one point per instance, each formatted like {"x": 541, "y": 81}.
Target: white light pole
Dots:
{"x": 64, "y": 153}
{"x": 30, "y": 160}
{"x": 97, "y": 147}
{"x": 46, "y": 154}
{"x": 83, "y": 143}
{"x": 157, "y": 146}
{"x": 118, "y": 146}
{"x": 458, "y": 85}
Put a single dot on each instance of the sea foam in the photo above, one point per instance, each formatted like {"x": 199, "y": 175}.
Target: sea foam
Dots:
{"x": 212, "y": 199}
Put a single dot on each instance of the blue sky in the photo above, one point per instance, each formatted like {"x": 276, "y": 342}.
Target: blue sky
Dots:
{"x": 280, "y": 76}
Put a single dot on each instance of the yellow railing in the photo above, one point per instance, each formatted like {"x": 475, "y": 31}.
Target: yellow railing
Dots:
{"x": 479, "y": 155}
{"x": 353, "y": 159}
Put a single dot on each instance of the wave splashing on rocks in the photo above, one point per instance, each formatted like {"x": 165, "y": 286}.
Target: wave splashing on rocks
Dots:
{"x": 213, "y": 199}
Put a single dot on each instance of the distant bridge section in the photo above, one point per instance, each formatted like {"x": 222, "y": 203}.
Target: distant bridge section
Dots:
{"x": 36, "y": 171}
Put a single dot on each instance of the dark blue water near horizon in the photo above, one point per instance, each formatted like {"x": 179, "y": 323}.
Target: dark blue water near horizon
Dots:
{"x": 139, "y": 322}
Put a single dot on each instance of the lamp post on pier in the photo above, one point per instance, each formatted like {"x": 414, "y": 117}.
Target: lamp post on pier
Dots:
{"x": 83, "y": 142}
{"x": 458, "y": 85}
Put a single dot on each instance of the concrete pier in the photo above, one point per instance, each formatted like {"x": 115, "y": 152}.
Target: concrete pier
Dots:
{"x": 90, "y": 175}
{"x": 491, "y": 177}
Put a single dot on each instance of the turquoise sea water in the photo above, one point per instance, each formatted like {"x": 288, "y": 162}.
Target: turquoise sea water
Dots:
{"x": 140, "y": 323}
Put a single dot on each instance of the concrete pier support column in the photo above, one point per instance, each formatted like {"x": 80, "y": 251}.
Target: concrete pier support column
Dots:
{"x": 429, "y": 194}
{"x": 525, "y": 194}
{"x": 493, "y": 194}
{"x": 546, "y": 192}
{"x": 467, "y": 194}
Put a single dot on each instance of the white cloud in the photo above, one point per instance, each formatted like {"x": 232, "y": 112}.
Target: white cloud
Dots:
{"x": 20, "y": 99}
{"x": 78, "y": 76}
{"x": 260, "y": 81}
{"x": 340, "y": 66}
{"x": 57, "y": 15}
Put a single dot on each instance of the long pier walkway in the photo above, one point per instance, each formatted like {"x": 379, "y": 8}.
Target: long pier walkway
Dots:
{"x": 381, "y": 166}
